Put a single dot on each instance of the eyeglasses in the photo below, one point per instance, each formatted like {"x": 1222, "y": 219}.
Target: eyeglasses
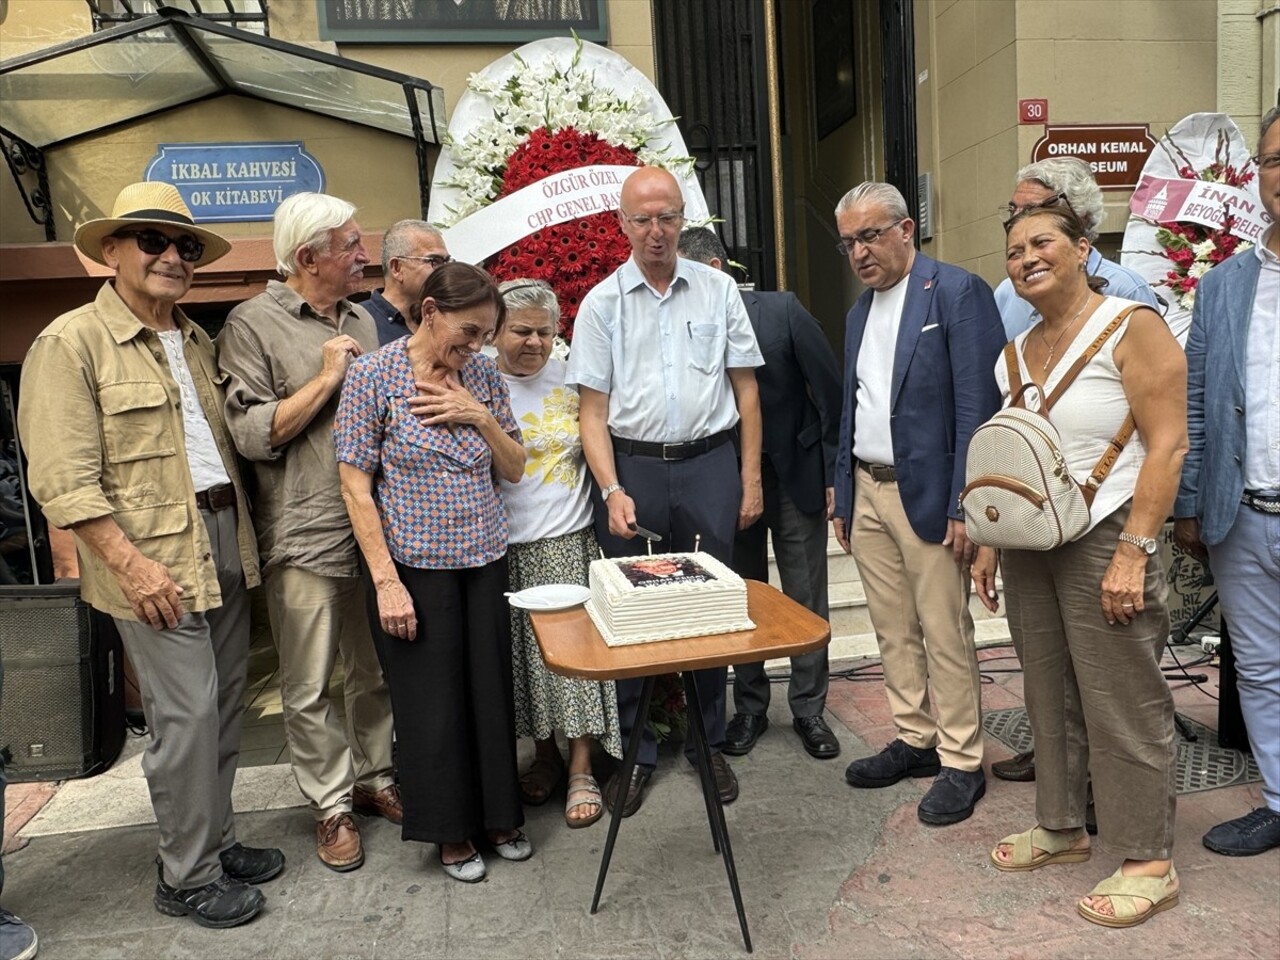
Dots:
{"x": 867, "y": 237}
{"x": 1011, "y": 210}
{"x": 1267, "y": 161}
{"x": 153, "y": 243}
{"x": 434, "y": 259}
{"x": 642, "y": 222}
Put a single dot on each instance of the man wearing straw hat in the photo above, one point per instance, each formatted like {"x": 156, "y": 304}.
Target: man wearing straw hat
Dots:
{"x": 121, "y": 416}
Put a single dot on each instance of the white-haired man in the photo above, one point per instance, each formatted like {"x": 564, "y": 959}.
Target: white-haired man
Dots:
{"x": 286, "y": 353}
{"x": 411, "y": 249}
{"x": 122, "y": 421}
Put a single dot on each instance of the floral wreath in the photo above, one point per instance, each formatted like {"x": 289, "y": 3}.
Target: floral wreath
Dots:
{"x": 547, "y": 119}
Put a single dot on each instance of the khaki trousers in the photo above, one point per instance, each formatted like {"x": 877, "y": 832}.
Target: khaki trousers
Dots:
{"x": 918, "y": 599}
{"x": 315, "y": 619}
{"x": 1097, "y": 701}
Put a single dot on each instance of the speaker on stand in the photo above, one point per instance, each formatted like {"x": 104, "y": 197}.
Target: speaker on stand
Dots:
{"x": 62, "y": 713}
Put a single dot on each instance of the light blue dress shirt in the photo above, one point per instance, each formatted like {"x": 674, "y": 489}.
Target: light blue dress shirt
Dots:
{"x": 662, "y": 358}
{"x": 1262, "y": 378}
{"x": 1018, "y": 315}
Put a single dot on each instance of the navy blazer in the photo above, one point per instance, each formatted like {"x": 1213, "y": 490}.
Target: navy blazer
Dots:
{"x": 799, "y": 396}
{"x": 1213, "y": 470}
{"x": 943, "y": 388}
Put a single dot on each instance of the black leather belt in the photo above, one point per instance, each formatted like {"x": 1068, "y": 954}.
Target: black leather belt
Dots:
{"x": 671, "y": 451}
{"x": 880, "y": 472}
{"x": 1262, "y": 502}
{"x": 216, "y": 498}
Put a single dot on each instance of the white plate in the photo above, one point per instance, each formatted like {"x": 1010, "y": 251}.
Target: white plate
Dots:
{"x": 552, "y": 596}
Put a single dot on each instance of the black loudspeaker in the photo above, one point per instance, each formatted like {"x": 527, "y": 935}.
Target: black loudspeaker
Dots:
{"x": 62, "y": 708}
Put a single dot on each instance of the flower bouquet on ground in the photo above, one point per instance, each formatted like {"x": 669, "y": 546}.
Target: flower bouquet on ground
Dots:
{"x": 668, "y": 712}
{"x": 534, "y": 160}
{"x": 1195, "y": 206}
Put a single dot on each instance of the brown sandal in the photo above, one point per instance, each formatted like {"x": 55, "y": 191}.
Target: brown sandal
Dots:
{"x": 540, "y": 779}
{"x": 583, "y": 790}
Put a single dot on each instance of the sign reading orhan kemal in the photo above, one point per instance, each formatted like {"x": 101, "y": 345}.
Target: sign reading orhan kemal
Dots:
{"x": 235, "y": 181}
{"x": 1115, "y": 152}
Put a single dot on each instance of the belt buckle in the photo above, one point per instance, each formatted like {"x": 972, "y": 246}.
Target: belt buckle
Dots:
{"x": 667, "y": 458}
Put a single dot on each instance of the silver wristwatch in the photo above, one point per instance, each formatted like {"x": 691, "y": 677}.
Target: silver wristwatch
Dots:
{"x": 610, "y": 490}
{"x": 1147, "y": 545}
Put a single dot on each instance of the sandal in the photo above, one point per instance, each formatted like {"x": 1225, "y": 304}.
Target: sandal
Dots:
{"x": 1054, "y": 847}
{"x": 540, "y": 779}
{"x": 1123, "y": 892}
{"x": 583, "y": 791}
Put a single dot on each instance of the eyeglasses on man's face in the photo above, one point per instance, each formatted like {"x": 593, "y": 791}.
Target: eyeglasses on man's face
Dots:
{"x": 667, "y": 221}
{"x": 1267, "y": 161}
{"x": 432, "y": 259}
{"x": 1010, "y": 210}
{"x": 153, "y": 243}
{"x": 867, "y": 238}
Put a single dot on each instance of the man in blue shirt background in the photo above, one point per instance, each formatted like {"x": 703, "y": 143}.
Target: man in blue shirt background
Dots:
{"x": 411, "y": 249}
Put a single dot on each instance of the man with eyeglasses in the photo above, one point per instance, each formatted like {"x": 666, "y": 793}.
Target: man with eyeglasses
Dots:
{"x": 920, "y": 350}
{"x": 1228, "y": 506}
{"x": 411, "y": 249}
{"x": 663, "y": 357}
{"x": 1067, "y": 181}
{"x": 286, "y": 353}
{"x": 121, "y": 416}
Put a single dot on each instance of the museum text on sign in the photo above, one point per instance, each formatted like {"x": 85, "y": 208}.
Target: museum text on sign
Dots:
{"x": 1115, "y": 153}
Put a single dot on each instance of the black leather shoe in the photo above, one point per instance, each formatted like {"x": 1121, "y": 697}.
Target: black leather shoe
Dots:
{"x": 891, "y": 764}
{"x": 1256, "y": 832}
{"x": 251, "y": 864}
{"x": 952, "y": 796}
{"x": 743, "y": 732}
{"x": 817, "y": 737}
{"x": 222, "y": 903}
{"x": 726, "y": 779}
{"x": 1020, "y": 767}
{"x": 635, "y": 790}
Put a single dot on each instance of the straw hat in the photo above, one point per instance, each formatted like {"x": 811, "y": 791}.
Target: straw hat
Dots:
{"x": 147, "y": 203}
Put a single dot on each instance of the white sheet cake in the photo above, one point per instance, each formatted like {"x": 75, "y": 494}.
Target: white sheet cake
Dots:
{"x": 666, "y": 596}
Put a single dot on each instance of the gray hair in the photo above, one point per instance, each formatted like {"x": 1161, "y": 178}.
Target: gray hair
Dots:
{"x": 398, "y": 240}
{"x": 1268, "y": 118}
{"x": 305, "y": 220}
{"x": 702, "y": 244}
{"x": 873, "y": 191}
{"x": 1073, "y": 177}
{"x": 531, "y": 295}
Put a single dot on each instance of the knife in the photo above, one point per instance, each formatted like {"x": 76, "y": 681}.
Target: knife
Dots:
{"x": 647, "y": 534}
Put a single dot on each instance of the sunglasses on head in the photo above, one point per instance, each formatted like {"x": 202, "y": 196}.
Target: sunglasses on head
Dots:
{"x": 154, "y": 243}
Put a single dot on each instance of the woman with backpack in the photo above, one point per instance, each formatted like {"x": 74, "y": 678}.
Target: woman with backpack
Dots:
{"x": 1088, "y": 613}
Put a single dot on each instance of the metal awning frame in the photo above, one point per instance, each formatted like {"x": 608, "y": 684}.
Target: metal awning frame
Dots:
{"x": 25, "y": 159}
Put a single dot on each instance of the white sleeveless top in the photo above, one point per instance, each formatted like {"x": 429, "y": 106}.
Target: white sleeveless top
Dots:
{"x": 1091, "y": 411}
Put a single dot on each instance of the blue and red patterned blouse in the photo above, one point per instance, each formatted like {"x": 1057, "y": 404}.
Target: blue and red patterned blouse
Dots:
{"x": 434, "y": 485}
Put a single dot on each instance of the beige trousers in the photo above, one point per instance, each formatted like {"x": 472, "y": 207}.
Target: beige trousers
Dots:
{"x": 315, "y": 619}
{"x": 918, "y": 599}
{"x": 1097, "y": 700}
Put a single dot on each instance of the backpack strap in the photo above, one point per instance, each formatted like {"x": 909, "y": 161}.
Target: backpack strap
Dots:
{"x": 1015, "y": 375}
{"x": 1108, "y": 459}
{"x": 1083, "y": 360}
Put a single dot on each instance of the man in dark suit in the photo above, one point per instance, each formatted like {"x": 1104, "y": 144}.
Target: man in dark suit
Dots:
{"x": 1228, "y": 506}
{"x": 920, "y": 350}
{"x": 800, "y": 390}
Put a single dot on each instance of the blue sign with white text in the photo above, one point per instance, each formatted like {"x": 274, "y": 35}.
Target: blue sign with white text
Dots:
{"x": 224, "y": 182}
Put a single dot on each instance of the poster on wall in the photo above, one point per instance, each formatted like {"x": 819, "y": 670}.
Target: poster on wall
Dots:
{"x": 460, "y": 21}
{"x": 235, "y": 182}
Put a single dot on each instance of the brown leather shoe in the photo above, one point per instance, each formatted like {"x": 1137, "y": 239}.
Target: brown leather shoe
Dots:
{"x": 1020, "y": 767}
{"x": 726, "y": 779}
{"x": 338, "y": 843}
{"x": 384, "y": 803}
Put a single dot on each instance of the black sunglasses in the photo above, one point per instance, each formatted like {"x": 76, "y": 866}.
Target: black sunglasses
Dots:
{"x": 154, "y": 243}
{"x": 1013, "y": 212}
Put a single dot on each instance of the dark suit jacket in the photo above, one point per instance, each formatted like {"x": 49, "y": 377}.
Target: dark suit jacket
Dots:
{"x": 943, "y": 388}
{"x": 799, "y": 396}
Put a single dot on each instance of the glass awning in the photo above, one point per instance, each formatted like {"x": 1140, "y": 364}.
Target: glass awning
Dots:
{"x": 141, "y": 68}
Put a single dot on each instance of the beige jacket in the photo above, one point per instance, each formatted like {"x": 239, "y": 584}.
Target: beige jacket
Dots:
{"x": 100, "y": 417}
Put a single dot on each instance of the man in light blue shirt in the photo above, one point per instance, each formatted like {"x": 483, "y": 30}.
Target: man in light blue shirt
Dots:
{"x": 1047, "y": 184}
{"x": 663, "y": 357}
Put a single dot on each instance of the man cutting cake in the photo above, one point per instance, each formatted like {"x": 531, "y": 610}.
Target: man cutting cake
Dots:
{"x": 663, "y": 358}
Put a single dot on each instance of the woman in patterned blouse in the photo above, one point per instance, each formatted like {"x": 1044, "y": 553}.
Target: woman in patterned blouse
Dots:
{"x": 424, "y": 431}
{"x": 549, "y": 513}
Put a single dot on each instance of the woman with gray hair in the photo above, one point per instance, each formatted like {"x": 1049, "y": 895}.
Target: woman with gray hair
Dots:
{"x": 551, "y": 541}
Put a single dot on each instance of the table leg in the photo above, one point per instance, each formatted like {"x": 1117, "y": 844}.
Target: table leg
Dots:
{"x": 624, "y": 775}
{"x": 702, "y": 764}
{"x": 697, "y": 728}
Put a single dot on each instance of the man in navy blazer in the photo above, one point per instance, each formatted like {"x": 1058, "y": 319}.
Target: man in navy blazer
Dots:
{"x": 920, "y": 351}
{"x": 800, "y": 408}
{"x": 1229, "y": 501}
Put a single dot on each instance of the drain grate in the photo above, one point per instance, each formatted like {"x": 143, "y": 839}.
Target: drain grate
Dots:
{"x": 1202, "y": 765}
